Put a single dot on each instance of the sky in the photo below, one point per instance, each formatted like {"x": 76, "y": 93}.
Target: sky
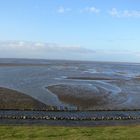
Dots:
{"x": 96, "y": 30}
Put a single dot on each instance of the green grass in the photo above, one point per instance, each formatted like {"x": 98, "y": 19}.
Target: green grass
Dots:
{"x": 69, "y": 133}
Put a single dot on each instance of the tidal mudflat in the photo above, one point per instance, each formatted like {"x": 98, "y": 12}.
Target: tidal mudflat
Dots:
{"x": 11, "y": 99}
{"x": 74, "y": 84}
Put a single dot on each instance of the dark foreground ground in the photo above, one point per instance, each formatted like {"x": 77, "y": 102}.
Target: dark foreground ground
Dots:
{"x": 65, "y": 123}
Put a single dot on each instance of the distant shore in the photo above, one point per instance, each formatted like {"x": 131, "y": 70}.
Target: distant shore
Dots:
{"x": 18, "y": 64}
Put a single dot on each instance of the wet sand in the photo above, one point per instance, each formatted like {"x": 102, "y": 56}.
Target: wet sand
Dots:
{"x": 81, "y": 96}
{"x": 74, "y": 84}
{"x": 11, "y": 99}
{"x": 91, "y": 78}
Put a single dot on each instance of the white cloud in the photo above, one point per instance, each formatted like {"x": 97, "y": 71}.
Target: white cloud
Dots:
{"x": 62, "y": 10}
{"x": 40, "y": 47}
{"x": 91, "y": 10}
{"x": 107, "y": 52}
{"x": 26, "y": 49}
{"x": 124, "y": 13}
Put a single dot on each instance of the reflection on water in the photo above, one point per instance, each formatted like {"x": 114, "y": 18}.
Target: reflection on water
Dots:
{"x": 119, "y": 81}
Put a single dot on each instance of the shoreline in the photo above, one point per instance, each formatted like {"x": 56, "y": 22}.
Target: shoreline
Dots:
{"x": 19, "y": 64}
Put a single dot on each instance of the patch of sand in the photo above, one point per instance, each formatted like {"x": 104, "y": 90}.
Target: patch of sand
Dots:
{"x": 81, "y": 96}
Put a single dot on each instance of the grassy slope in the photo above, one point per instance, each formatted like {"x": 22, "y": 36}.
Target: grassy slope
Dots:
{"x": 69, "y": 133}
{"x": 11, "y": 99}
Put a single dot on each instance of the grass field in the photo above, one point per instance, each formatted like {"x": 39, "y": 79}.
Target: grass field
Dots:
{"x": 69, "y": 133}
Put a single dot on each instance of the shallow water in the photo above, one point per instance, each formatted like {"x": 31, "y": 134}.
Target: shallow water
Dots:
{"x": 122, "y": 88}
